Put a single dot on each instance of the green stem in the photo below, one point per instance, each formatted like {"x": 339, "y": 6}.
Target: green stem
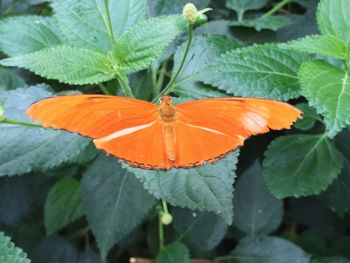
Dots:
{"x": 104, "y": 89}
{"x": 170, "y": 85}
{"x": 161, "y": 77}
{"x": 124, "y": 84}
{"x": 161, "y": 231}
{"x": 165, "y": 207}
{"x": 154, "y": 80}
{"x": 109, "y": 20}
{"x": 23, "y": 123}
{"x": 241, "y": 15}
{"x": 276, "y": 8}
{"x": 229, "y": 257}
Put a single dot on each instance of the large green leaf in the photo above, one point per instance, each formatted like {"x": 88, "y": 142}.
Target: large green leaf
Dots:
{"x": 166, "y": 7}
{"x": 62, "y": 205}
{"x": 270, "y": 23}
{"x": 205, "y": 188}
{"x": 24, "y": 149}
{"x": 113, "y": 200}
{"x": 10, "y": 80}
{"x": 9, "y": 253}
{"x": 142, "y": 44}
{"x": 257, "y": 71}
{"x": 25, "y": 34}
{"x": 201, "y": 230}
{"x": 295, "y": 165}
{"x": 268, "y": 250}
{"x": 203, "y": 50}
{"x": 67, "y": 64}
{"x": 256, "y": 211}
{"x": 84, "y": 23}
{"x": 327, "y": 45}
{"x": 174, "y": 253}
{"x": 241, "y": 6}
{"x": 328, "y": 90}
{"x": 333, "y": 18}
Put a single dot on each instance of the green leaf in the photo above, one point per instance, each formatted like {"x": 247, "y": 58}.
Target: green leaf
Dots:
{"x": 328, "y": 90}
{"x": 10, "y": 80}
{"x": 113, "y": 200}
{"x": 327, "y": 45}
{"x": 256, "y": 71}
{"x": 205, "y": 188}
{"x": 174, "y": 253}
{"x": 16, "y": 199}
{"x": 9, "y": 253}
{"x": 256, "y": 211}
{"x": 204, "y": 49}
{"x": 295, "y": 165}
{"x": 165, "y": 7}
{"x": 332, "y": 18}
{"x": 62, "y": 205}
{"x": 85, "y": 23}
{"x": 142, "y": 44}
{"x": 27, "y": 34}
{"x": 268, "y": 250}
{"x": 71, "y": 65}
{"x": 201, "y": 230}
{"x": 240, "y": 6}
{"x": 309, "y": 119}
{"x": 271, "y": 23}
{"x": 24, "y": 149}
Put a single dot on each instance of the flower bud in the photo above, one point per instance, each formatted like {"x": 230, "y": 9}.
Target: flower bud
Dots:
{"x": 202, "y": 19}
{"x": 166, "y": 218}
{"x": 190, "y": 13}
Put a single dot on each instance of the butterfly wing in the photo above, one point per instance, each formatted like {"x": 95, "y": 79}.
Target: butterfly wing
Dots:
{"x": 208, "y": 129}
{"x": 95, "y": 116}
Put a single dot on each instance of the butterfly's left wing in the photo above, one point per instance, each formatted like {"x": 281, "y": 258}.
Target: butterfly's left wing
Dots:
{"x": 208, "y": 129}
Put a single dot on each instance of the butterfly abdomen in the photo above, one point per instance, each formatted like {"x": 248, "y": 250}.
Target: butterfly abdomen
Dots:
{"x": 169, "y": 138}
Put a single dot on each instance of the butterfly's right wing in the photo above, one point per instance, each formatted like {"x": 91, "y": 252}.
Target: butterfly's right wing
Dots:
{"x": 95, "y": 116}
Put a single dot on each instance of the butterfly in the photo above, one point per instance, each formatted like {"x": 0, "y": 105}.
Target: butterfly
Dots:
{"x": 164, "y": 136}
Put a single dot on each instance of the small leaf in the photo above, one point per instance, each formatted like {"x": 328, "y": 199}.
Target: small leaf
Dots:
{"x": 85, "y": 23}
{"x": 256, "y": 71}
{"x": 203, "y": 50}
{"x": 271, "y": 23}
{"x": 328, "y": 90}
{"x": 201, "y": 230}
{"x": 16, "y": 200}
{"x": 71, "y": 65}
{"x": 295, "y": 165}
{"x": 332, "y": 18}
{"x": 113, "y": 200}
{"x": 62, "y": 205}
{"x": 24, "y": 149}
{"x": 27, "y": 34}
{"x": 55, "y": 249}
{"x": 174, "y": 253}
{"x": 145, "y": 42}
{"x": 256, "y": 211}
{"x": 240, "y": 6}
{"x": 309, "y": 119}
{"x": 327, "y": 45}
{"x": 10, "y": 80}
{"x": 9, "y": 253}
{"x": 205, "y": 188}
{"x": 269, "y": 250}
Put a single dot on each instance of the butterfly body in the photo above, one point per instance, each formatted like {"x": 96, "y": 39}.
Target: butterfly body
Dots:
{"x": 164, "y": 136}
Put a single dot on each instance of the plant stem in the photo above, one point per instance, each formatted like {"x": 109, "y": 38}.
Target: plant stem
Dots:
{"x": 109, "y": 21}
{"x": 104, "y": 89}
{"x": 241, "y": 15}
{"x": 165, "y": 207}
{"x": 276, "y": 8}
{"x": 124, "y": 84}
{"x": 170, "y": 85}
{"x": 161, "y": 77}
{"x": 23, "y": 123}
{"x": 161, "y": 232}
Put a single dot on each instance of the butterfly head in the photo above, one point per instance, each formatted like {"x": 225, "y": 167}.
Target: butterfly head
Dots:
{"x": 167, "y": 109}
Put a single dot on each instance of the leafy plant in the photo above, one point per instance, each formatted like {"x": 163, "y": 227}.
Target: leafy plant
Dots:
{"x": 283, "y": 197}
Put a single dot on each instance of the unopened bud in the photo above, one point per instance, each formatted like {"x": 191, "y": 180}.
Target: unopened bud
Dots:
{"x": 190, "y": 13}
{"x": 166, "y": 218}
{"x": 202, "y": 19}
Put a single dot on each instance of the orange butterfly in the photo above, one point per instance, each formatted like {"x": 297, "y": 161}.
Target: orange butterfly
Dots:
{"x": 162, "y": 137}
